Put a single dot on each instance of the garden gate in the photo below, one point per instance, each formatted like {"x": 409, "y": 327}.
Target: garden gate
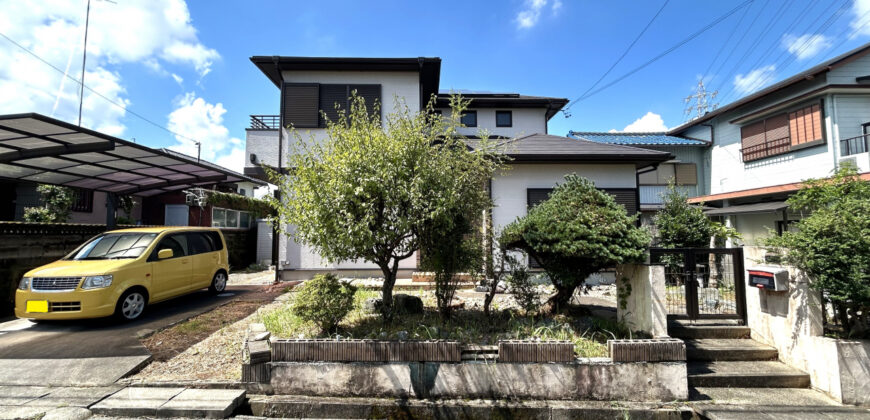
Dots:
{"x": 703, "y": 283}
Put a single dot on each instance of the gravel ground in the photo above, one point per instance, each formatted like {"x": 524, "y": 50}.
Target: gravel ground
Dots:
{"x": 259, "y": 277}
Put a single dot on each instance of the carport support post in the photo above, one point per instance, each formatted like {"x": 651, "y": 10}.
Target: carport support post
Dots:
{"x": 111, "y": 199}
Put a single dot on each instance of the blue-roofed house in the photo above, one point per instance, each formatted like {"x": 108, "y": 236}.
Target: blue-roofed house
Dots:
{"x": 687, "y": 168}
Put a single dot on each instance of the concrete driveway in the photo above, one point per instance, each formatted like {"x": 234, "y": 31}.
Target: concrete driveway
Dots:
{"x": 91, "y": 352}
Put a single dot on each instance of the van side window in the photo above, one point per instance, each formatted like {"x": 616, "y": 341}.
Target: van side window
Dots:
{"x": 177, "y": 243}
{"x": 216, "y": 240}
{"x": 198, "y": 243}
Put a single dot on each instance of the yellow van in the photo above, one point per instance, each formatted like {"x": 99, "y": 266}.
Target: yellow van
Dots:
{"x": 122, "y": 271}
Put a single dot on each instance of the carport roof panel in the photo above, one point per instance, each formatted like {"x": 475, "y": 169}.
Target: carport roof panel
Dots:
{"x": 37, "y": 148}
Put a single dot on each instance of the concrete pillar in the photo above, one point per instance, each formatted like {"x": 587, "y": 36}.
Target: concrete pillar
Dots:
{"x": 641, "y": 298}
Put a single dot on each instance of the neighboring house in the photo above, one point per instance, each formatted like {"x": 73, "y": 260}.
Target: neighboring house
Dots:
{"x": 686, "y": 169}
{"x": 309, "y": 85}
{"x": 765, "y": 144}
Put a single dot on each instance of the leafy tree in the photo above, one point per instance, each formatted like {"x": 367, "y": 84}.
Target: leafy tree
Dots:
{"x": 324, "y": 300}
{"x": 832, "y": 244}
{"x": 578, "y": 231}
{"x": 372, "y": 188}
{"x": 680, "y": 224}
{"x": 57, "y": 205}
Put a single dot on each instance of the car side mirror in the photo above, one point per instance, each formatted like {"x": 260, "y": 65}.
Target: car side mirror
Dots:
{"x": 164, "y": 254}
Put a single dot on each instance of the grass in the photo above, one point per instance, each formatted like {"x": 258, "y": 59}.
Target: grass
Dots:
{"x": 469, "y": 326}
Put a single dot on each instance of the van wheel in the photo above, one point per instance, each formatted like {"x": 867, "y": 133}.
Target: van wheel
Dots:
{"x": 218, "y": 283}
{"x": 131, "y": 305}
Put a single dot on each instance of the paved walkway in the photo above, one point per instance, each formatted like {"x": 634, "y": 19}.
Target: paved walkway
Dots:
{"x": 27, "y": 402}
{"x": 770, "y": 404}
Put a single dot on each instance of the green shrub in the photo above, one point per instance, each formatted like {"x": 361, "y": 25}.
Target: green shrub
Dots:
{"x": 579, "y": 230}
{"x": 522, "y": 288}
{"x": 324, "y": 300}
{"x": 57, "y": 204}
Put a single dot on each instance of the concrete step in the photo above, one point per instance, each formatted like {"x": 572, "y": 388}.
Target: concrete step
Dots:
{"x": 771, "y": 412}
{"x": 289, "y": 406}
{"x": 724, "y": 329}
{"x": 756, "y": 374}
{"x": 793, "y": 397}
{"x": 170, "y": 402}
{"x": 728, "y": 349}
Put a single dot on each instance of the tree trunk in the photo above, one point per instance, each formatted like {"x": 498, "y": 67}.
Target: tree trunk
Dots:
{"x": 390, "y": 273}
{"x": 560, "y": 300}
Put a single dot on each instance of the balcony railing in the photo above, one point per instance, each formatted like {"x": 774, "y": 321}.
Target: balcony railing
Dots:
{"x": 853, "y": 145}
{"x": 265, "y": 122}
{"x": 768, "y": 148}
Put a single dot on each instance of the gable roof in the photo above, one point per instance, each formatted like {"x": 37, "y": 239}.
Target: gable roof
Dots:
{"x": 428, "y": 67}
{"x": 545, "y": 148}
{"x": 505, "y": 100}
{"x": 637, "y": 139}
{"x": 804, "y": 75}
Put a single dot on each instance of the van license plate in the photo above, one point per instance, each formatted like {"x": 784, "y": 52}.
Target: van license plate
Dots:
{"x": 37, "y": 306}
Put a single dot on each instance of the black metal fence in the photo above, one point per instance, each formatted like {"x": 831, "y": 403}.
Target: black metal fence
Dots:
{"x": 703, "y": 282}
{"x": 265, "y": 122}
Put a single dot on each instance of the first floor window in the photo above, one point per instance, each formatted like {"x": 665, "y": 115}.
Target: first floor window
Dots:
{"x": 228, "y": 218}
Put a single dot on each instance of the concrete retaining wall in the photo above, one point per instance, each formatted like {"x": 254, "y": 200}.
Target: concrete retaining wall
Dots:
{"x": 585, "y": 379}
{"x": 792, "y": 322}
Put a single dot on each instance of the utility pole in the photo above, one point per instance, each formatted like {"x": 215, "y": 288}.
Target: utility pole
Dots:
{"x": 84, "y": 61}
{"x": 703, "y": 102}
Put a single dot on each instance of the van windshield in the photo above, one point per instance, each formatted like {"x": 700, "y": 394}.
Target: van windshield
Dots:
{"x": 110, "y": 246}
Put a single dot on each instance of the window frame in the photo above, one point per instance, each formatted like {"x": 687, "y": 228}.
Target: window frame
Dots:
{"x": 469, "y": 113}
{"x": 510, "y": 116}
{"x": 84, "y": 201}
{"x": 790, "y": 147}
{"x": 237, "y": 217}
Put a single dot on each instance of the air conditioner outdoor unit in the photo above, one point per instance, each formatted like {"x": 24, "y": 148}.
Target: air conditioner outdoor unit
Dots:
{"x": 851, "y": 160}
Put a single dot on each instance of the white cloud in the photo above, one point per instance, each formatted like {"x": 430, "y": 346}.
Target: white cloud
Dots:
{"x": 178, "y": 79}
{"x": 529, "y": 16}
{"x": 807, "y": 45}
{"x": 557, "y": 6}
{"x": 861, "y": 20}
{"x": 650, "y": 122}
{"x": 195, "y": 118}
{"x": 754, "y": 80}
{"x": 152, "y": 34}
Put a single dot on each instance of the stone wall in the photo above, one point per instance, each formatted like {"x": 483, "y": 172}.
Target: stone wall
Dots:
{"x": 584, "y": 379}
{"x": 641, "y": 298}
{"x": 792, "y": 322}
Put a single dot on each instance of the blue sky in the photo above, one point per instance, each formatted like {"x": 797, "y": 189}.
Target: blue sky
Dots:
{"x": 185, "y": 65}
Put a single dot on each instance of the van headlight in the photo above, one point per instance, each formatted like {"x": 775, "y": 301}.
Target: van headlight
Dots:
{"x": 96, "y": 282}
{"x": 24, "y": 284}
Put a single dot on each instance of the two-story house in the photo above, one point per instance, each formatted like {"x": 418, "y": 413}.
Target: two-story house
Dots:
{"x": 310, "y": 86}
{"x": 764, "y": 145}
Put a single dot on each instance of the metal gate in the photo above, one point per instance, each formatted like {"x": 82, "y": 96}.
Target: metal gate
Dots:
{"x": 703, "y": 283}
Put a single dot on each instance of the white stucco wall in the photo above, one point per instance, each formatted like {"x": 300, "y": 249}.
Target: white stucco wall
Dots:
{"x": 509, "y": 187}
{"x": 525, "y": 121}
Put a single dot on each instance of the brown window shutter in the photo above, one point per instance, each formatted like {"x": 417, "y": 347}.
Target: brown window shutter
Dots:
{"x": 330, "y": 97}
{"x": 805, "y": 124}
{"x": 686, "y": 174}
{"x": 752, "y": 139}
{"x": 300, "y": 105}
{"x": 776, "y": 135}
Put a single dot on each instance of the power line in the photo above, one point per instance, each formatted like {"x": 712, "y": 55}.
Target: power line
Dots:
{"x": 727, "y": 40}
{"x": 668, "y": 51}
{"x": 135, "y": 114}
{"x": 618, "y": 60}
{"x": 742, "y": 37}
{"x": 782, "y": 61}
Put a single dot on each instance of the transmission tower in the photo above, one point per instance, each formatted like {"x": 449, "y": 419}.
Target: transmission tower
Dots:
{"x": 700, "y": 102}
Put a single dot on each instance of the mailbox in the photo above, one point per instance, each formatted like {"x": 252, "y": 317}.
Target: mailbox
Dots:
{"x": 769, "y": 278}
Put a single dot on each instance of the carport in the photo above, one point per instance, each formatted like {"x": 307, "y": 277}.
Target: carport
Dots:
{"x": 41, "y": 149}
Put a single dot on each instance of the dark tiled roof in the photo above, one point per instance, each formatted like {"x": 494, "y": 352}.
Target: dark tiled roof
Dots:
{"x": 548, "y": 148}
{"x": 637, "y": 139}
{"x": 506, "y": 100}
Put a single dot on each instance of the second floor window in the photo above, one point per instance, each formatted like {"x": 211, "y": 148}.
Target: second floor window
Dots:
{"x": 782, "y": 133}
{"x": 680, "y": 173}
{"x": 504, "y": 119}
{"x": 469, "y": 119}
{"x": 303, "y": 102}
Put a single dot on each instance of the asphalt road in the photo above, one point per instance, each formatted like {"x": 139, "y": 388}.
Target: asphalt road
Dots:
{"x": 92, "y": 352}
